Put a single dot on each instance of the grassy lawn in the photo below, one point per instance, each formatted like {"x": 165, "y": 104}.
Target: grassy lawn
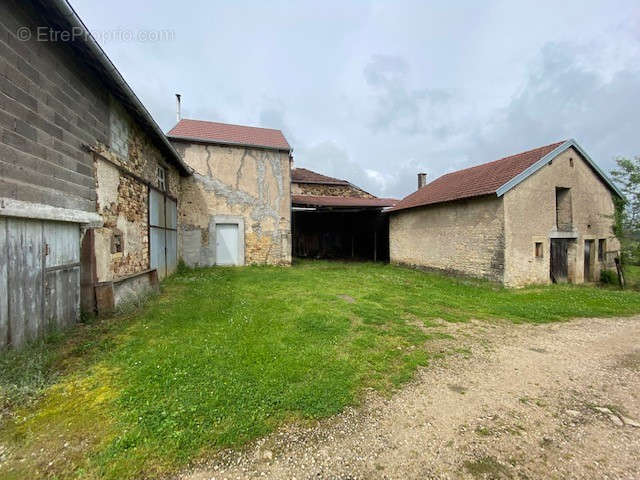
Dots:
{"x": 225, "y": 355}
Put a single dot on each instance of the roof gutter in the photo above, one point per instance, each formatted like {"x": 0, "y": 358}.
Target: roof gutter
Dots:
{"x": 74, "y": 20}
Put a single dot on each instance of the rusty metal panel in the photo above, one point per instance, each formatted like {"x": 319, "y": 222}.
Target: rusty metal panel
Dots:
{"x": 62, "y": 297}
{"x": 171, "y": 214}
{"x": 4, "y": 293}
{"x": 24, "y": 279}
{"x": 156, "y": 209}
{"x": 62, "y": 241}
{"x": 158, "y": 247}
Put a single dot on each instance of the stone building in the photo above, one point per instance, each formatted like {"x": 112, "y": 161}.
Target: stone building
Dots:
{"x": 332, "y": 218}
{"x": 541, "y": 216}
{"x": 81, "y": 161}
{"x": 235, "y": 209}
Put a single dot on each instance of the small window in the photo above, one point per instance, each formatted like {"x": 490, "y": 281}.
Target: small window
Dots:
{"x": 538, "y": 249}
{"x": 602, "y": 244}
{"x": 162, "y": 179}
{"x": 117, "y": 242}
{"x": 571, "y": 162}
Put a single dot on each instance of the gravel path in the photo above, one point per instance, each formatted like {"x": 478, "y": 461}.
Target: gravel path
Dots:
{"x": 516, "y": 401}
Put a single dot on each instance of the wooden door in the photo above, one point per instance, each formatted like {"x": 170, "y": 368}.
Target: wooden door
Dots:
{"x": 588, "y": 249}
{"x": 559, "y": 260}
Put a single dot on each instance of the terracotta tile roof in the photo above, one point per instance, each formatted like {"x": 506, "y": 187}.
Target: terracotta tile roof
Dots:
{"x": 303, "y": 175}
{"x": 329, "y": 201}
{"x": 474, "y": 181}
{"x": 224, "y": 133}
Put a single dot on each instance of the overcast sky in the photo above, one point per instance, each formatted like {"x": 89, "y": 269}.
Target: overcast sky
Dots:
{"x": 376, "y": 91}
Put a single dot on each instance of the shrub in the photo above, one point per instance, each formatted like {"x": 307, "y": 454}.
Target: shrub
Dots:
{"x": 609, "y": 277}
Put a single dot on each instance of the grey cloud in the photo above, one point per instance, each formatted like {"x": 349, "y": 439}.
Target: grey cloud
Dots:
{"x": 562, "y": 99}
{"x": 398, "y": 106}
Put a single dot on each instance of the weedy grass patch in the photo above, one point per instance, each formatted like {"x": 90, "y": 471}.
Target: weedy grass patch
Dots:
{"x": 226, "y": 355}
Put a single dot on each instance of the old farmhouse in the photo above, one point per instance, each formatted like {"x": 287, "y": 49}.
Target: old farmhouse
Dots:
{"x": 545, "y": 215}
{"x": 333, "y": 218}
{"x": 235, "y": 208}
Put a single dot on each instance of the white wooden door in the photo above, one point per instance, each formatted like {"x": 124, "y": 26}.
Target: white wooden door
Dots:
{"x": 227, "y": 244}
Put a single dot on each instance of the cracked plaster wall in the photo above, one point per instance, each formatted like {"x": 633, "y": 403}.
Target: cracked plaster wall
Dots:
{"x": 250, "y": 183}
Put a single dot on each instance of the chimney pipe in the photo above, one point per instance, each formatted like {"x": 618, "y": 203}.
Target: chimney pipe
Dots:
{"x": 178, "y": 115}
{"x": 422, "y": 180}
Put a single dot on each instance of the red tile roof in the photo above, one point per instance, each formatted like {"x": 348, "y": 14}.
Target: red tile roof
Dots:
{"x": 227, "y": 134}
{"x": 329, "y": 201}
{"x": 303, "y": 175}
{"x": 474, "y": 181}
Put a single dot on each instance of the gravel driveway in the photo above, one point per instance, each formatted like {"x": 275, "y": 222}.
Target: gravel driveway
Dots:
{"x": 506, "y": 401}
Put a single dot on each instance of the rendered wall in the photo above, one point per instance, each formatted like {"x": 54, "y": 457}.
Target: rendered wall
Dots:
{"x": 250, "y": 184}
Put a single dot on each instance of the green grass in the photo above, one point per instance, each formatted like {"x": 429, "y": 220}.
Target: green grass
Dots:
{"x": 226, "y": 355}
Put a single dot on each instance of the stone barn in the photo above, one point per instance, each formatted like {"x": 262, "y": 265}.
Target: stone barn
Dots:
{"x": 333, "y": 218}
{"x": 235, "y": 209}
{"x": 88, "y": 184}
{"x": 541, "y": 216}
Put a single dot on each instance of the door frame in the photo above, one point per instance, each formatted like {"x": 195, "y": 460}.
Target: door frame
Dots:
{"x": 227, "y": 219}
{"x": 562, "y": 243}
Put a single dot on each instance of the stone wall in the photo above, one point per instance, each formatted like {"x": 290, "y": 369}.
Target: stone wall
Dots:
{"x": 248, "y": 186}
{"x": 122, "y": 196}
{"x": 530, "y": 217}
{"x": 465, "y": 237}
{"x": 328, "y": 190}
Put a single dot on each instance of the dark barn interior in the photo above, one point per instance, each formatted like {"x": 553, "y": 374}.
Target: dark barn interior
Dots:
{"x": 340, "y": 232}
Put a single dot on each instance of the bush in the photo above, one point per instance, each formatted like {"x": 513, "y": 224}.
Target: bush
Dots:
{"x": 609, "y": 277}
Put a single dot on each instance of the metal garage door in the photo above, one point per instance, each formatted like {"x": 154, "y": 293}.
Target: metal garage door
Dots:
{"x": 227, "y": 244}
{"x": 163, "y": 224}
{"x": 39, "y": 278}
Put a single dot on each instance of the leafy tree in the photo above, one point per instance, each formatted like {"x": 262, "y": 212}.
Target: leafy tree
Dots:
{"x": 627, "y": 216}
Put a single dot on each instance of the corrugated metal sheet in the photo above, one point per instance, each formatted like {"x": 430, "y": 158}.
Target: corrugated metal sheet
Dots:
{"x": 156, "y": 209}
{"x": 158, "y": 251}
{"x": 163, "y": 218}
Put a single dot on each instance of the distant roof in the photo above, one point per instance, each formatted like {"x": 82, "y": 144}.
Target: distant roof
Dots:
{"x": 495, "y": 177}
{"x": 331, "y": 201}
{"x": 303, "y": 175}
{"x": 224, "y": 133}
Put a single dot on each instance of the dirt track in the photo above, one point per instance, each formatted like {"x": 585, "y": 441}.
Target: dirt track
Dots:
{"x": 519, "y": 402}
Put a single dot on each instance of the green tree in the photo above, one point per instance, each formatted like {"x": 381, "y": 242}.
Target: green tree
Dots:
{"x": 627, "y": 217}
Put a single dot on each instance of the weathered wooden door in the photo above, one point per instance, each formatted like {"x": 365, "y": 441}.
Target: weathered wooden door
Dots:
{"x": 559, "y": 260}
{"x": 588, "y": 249}
{"x": 61, "y": 275}
{"x": 39, "y": 278}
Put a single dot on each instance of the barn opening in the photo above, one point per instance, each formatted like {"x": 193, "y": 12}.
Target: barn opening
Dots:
{"x": 334, "y": 219}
